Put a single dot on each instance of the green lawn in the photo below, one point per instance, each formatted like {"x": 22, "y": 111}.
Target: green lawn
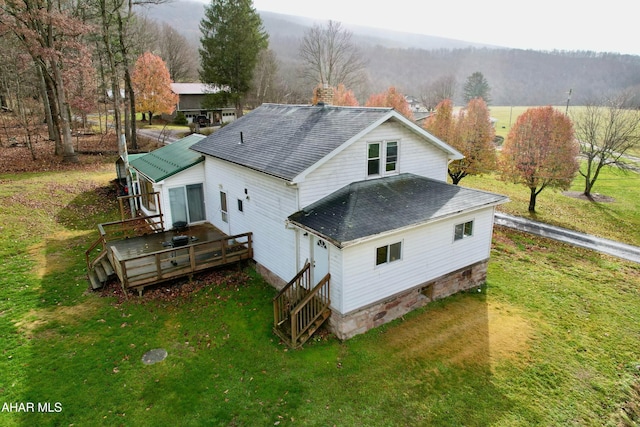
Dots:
{"x": 551, "y": 340}
{"x": 618, "y": 219}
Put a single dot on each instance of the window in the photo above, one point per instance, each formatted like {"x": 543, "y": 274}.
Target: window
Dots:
{"x": 147, "y": 197}
{"x": 379, "y": 154}
{"x": 389, "y": 253}
{"x": 392, "y": 157}
{"x": 240, "y": 205}
{"x": 223, "y": 206}
{"x": 373, "y": 159}
{"x": 187, "y": 203}
{"x": 463, "y": 230}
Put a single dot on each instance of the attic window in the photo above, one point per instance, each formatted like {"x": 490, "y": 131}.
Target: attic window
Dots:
{"x": 382, "y": 158}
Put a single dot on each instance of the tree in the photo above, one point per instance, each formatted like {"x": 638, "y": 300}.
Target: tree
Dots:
{"x": 477, "y": 86}
{"x": 152, "y": 85}
{"x": 442, "y": 124}
{"x": 470, "y": 132}
{"x": 391, "y": 98}
{"x": 540, "y": 152}
{"x": 330, "y": 57}
{"x": 179, "y": 55}
{"x": 440, "y": 89}
{"x": 49, "y": 32}
{"x": 341, "y": 96}
{"x": 264, "y": 86}
{"x": 606, "y": 132}
{"x": 232, "y": 38}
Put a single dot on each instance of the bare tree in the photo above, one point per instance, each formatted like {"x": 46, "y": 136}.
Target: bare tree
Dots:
{"x": 606, "y": 130}
{"x": 265, "y": 87}
{"x": 180, "y": 56}
{"x": 442, "y": 88}
{"x": 330, "y": 57}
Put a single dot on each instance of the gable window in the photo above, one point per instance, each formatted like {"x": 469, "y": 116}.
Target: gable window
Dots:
{"x": 382, "y": 158}
{"x": 463, "y": 230}
{"x": 391, "y": 161}
{"x": 373, "y": 159}
{"x": 389, "y": 253}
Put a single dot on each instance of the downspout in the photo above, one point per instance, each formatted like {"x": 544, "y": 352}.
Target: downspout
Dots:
{"x": 125, "y": 157}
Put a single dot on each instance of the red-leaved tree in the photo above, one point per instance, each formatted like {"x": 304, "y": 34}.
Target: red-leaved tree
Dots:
{"x": 391, "y": 98}
{"x": 540, "y": 152}
{"x": 152, "y": 86}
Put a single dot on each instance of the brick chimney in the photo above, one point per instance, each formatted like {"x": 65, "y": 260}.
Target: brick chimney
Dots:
{"x": 325, "y": 95}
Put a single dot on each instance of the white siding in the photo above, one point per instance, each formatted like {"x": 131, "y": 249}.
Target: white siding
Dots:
{"x": 416, "y": 156}
{"x": 427, "y": 253}
{"x": 266, "y": 204}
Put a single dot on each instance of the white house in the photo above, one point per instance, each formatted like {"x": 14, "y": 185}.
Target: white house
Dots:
{"x": 177, "y": 174}
{"x": 360, "y": 193}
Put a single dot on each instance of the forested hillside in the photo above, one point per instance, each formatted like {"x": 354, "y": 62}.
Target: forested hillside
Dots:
{"x": 411, "y": 62}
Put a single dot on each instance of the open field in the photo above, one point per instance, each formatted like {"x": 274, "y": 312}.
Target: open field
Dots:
{"x": 552, "y": 339}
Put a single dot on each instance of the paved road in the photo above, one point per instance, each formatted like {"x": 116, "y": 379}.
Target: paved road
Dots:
{"x": 611, "y": 247}
{"x": 167, "y": 137}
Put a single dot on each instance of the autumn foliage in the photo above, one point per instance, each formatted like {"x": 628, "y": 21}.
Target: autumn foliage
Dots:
{"x": 540, "y": 151}
{"x": 391, "y": 98}
{"x": 470, "y": 132}
{"x": 152, "y": 85}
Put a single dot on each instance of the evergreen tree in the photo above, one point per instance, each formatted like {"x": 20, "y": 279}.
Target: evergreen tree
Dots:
{"x": 477, "y": 86}
{"x": 232, "y": 38}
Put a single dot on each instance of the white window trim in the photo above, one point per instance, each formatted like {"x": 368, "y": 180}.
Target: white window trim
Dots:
{"x": 388, "y": 261}
{"x": 382, "y": 167}
{"x": 464, "y": 236}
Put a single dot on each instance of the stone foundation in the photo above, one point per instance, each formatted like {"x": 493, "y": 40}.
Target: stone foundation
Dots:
{"x": 360, "y": 321}
{"x": 270, "y": 277}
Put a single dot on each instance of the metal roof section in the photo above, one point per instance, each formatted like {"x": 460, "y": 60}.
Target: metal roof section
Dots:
{"x": 168, "y": 160}
{"x": 370, "y": 208}
{"x": 287, "y": 141}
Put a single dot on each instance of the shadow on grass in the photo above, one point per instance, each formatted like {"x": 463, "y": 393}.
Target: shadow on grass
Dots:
{"x": 225, "y": 367}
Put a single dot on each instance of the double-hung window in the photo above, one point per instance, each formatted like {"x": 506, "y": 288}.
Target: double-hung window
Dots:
{"x": 382, "y": 158}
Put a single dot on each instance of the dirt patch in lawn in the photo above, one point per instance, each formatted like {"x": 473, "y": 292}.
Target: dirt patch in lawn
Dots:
{"x": 466, "y": 331}
{"x": 32, "y": 322}
{"x": 595, "y": 197}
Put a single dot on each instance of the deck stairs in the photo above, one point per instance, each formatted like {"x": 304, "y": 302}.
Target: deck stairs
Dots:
{"x": 100, "y": 272}
{"x": 300, "y": 309}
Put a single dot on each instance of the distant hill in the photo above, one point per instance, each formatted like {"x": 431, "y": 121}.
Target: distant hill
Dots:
{"x": 412, "y": 61}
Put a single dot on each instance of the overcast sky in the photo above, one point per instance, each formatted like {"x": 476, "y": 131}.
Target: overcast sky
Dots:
{"x": 603, "y": 26}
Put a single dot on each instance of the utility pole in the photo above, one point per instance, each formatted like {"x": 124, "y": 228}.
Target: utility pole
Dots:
{"x": 568, "y": 99}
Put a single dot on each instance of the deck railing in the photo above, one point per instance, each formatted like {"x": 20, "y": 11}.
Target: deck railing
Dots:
{"x": 126, "y": 228}
{"x": 148, "y": 269}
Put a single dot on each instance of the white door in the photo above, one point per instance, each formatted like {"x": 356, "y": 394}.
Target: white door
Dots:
{"x": 320, "y": 264}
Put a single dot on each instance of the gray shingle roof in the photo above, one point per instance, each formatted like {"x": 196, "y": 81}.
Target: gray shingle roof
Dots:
{"x": 286, "y": 140}
{"x": 372, "y": 207}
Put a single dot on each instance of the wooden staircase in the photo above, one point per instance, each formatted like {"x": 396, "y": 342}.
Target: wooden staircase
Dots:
{"x": 299, "y": 310}
{"x": 100, "y": 272}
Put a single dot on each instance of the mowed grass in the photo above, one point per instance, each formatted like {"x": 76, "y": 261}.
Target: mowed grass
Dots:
{"x": 617, "y": 219}
{"x": 552, "y": 339}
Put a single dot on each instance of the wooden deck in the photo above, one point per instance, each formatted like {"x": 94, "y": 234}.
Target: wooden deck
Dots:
{"x": 148, "y": 259}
